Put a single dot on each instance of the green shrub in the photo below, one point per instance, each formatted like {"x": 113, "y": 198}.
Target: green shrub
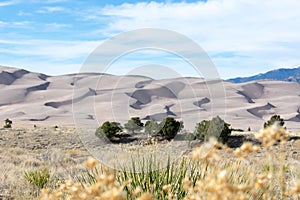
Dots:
{"x": 169, "y": 128}
{"x": 274, "y": 119}
{"x": 7, "y": 123}
{"x": 134, "y": 124}
{"x": 108, "y": 130}
{"x": 216, "y": 127}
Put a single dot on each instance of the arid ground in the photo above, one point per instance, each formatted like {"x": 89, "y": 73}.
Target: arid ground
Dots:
{"x": 61, "y": 151}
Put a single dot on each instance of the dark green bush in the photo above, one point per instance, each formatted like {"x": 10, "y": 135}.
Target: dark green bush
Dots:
{"x": 7, "y": 123}
{"x": 274, "y": 119}
{"x": 169, "y": 128}
{"x": 108, "y": 130}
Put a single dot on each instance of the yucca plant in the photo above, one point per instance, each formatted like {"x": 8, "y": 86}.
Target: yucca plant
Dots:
{"x": 38, "y": 178}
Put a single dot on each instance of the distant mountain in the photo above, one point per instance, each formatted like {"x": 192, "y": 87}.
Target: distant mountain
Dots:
{"x": 288, "y": 75}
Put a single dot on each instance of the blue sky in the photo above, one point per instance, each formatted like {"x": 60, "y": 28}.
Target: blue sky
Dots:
{"x": 242, "y": 37}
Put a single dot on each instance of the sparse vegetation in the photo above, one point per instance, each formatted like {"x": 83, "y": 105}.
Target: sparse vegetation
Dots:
{"x": 167, "y": 129}
{"x": 211, "y": 172}
{"x": 7, "y": 123}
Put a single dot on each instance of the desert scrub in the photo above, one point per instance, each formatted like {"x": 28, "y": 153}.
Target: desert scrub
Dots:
{"x": 241, "y": 179}
{"x": 105, "y": 187}
{"x": 212, "y": 171}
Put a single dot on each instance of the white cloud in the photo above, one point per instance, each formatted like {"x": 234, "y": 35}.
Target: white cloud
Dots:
{"x": 21, "y": 13}
{"x": 252, "y": 28}
{"x": 51, "y": 9}
{"x": 246, "y": 35}
{"x": 52, "y": 49}
{"x": 56, "y": 26}
{"x": 7, "y": 3}
{"x": 47, "y": 56}
{"x": 48, "y": 1}
{"x": 15, "y": 24}
{"x": 54, "y": 1}
{"x": 49, "y": 68}
{"x": 2, "y": 23}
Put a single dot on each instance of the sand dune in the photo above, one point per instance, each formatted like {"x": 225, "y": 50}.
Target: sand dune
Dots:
{"x": 34, "y": 98}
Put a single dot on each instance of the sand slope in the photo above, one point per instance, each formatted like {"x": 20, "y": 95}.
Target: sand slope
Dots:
{"x": 33, "y": 98}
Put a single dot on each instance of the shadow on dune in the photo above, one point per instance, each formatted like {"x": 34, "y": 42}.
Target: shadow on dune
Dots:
{"x": 252, "y": 91}
{"x": 7, "y": 78}
{"x": 296, "y": 118}
{"x": 201, "y": 102}
{"x": 58, "y": 104}
{"x": 144, "y": 96}
{"x": 39, "y": 120}
{"x": 161, "y": 116}
{"x": 261, "y": 111}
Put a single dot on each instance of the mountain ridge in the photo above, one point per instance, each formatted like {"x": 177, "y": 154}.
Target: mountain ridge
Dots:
{"x": 282, "y": 74}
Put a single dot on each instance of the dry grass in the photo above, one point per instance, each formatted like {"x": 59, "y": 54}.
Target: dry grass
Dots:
{"x": 222, "y": 173}
{"x": 212, "y": 171}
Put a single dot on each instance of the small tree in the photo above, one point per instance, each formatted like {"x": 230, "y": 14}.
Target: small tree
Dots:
{"x": 152, "y": 127}
{"x": 169, "y": 128}
{"x": 274, "y": 119}
{"x": 216, "y": 127}
{"x": 108, "y": 130}
{"x": 7, "y": 123}
{"x": 134, "y": 124}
